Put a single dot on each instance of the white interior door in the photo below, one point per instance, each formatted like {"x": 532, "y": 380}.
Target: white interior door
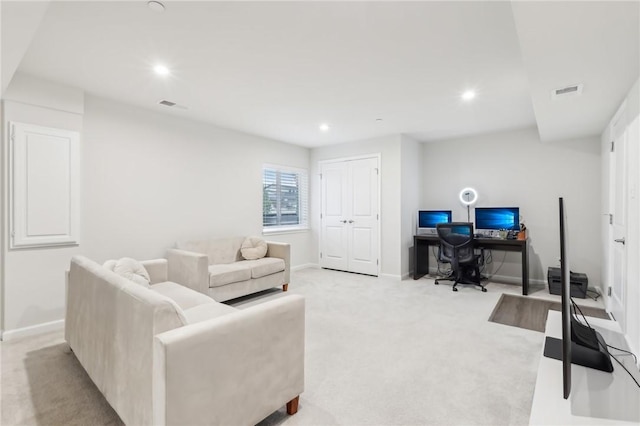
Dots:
{"x": 362, "y": 223}
{"x": 349, "y": 220}
{"x": 618, "y": 179}
{"x": 333, "y": 246}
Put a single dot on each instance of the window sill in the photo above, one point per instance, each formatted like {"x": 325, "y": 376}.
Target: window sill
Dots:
{"x": 278, "y": 231}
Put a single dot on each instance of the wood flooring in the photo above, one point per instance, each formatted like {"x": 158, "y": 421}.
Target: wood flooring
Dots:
{"x": 531, "y": 313}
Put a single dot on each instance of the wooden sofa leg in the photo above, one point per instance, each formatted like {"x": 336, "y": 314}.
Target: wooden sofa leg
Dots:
{"x": 292, "y": 406}
{"x": 285, "y": 287}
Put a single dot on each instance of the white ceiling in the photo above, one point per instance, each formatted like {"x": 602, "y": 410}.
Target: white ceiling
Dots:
{"x": 279, "y": 69}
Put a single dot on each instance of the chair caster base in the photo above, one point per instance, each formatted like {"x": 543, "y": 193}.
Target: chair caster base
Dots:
{"x": 484, "y": 290}
{"x": 437, "y": 283}
{"x": 455, "y": 289}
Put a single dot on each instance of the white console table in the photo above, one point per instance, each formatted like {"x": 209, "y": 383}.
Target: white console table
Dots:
{"x": 597, "y": 398}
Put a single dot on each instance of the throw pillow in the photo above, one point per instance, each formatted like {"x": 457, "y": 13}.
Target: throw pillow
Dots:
{"x": 130, "y": 269}
{"x": 253, "y": 248}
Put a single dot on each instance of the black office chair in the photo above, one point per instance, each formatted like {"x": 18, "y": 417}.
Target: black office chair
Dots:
{"x": 456, "y": 247}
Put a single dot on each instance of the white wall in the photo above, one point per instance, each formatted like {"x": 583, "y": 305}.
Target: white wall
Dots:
{"x": 151, "y": 179}
{"x": 390, "y": 196}
{"x": 148, "y": 179}
{"x": 516, "y": 169}
{"x": 33, "y": 279}
{"x": 411, "y": 188}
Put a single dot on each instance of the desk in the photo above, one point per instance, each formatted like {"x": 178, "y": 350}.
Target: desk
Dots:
{"x": 421, "y": 245}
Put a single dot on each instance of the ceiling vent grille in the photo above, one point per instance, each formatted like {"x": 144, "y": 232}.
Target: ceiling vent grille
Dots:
{"x": 567, "y": 92}
{"x": 171, "y": 104}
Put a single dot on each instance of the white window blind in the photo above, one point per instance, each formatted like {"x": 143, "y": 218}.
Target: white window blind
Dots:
{"x": 284, "y": 198}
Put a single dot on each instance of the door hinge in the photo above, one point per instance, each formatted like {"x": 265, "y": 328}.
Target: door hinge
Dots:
{"x": 320, "y": 176}
{"x": 377, "y": 261}
{"x": 320, "y": 255}
{"x": 377, "y": 171}
{"x": 610, "y": 219}
{"x": 609, "y": 291}
{"x": 377, "y": 217}
{"x": 320, "y": 215}
{"x": 613, "y": 146}
{"x": 13, "y": 133}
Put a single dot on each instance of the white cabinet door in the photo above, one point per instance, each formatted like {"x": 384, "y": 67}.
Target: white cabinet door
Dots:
{"x": 45, "y": 204}
{"x": 349, "y": 224}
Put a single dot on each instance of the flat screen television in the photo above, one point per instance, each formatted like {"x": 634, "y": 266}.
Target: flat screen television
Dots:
{"x": 580, "y": 344}
{"x": 428, "y": 219}
{"x": 497, "y": 218}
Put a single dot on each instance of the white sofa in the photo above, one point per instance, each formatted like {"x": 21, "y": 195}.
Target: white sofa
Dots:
{"x": 215, "y": 267}
{"x": 167, "y": 355}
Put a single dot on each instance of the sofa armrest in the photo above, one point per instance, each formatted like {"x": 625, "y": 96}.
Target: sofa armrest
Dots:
{"x": 189, "y": 269}
{"x": 281, "y": 251}
{"x": 157, "y": 269}
{"x": 233, "y": 369}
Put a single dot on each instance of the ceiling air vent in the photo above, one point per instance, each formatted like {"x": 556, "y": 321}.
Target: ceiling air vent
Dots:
{"x": 567, "y": 92}
{"x": 171, "y": 104}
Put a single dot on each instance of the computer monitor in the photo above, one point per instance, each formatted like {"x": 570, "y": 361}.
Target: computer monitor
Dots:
{"x": 497, "y": 218}
{"x": 428, "y": 219}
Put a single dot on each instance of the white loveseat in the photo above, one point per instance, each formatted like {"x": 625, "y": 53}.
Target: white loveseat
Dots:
{"x": 216, "y": 267}
{"x": 165, "y": 354}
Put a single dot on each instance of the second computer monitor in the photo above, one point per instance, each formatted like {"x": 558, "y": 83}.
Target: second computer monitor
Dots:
{"x": 496, "y": 218}
{"x": 428, "y": 219}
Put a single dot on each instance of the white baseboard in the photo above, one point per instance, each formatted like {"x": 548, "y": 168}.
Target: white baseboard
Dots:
{"x": 394, "y": 276}
{"x": 32, "y": 330}
{"x": 506, "y": 279}
{"x": 305, "y": 266}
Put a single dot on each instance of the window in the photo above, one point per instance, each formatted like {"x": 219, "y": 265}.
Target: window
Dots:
{"x": 284, "y": 198}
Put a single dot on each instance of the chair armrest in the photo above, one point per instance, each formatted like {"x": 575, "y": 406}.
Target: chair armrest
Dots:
{"x": 233, "y": 369}
{"x": 189, "y": 269}
{"x": 157, "y": 269}
{"x": 281, "y": 251}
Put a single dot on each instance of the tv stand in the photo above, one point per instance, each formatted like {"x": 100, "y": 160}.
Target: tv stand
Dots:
{"x": 580, "y": 355}
{"x": 597, "y": 397}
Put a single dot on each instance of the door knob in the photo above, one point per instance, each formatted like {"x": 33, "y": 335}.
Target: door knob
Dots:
{"x": 351, "y": 221}
{"x": 619, "y": 240}
{"x": 343, "y": 221}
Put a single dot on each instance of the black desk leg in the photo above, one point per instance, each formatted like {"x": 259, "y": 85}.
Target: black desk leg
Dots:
{"x": 421, "y": 258}
{"x": 525, "y": 270}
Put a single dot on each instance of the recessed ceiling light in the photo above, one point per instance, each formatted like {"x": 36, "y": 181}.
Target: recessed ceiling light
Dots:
{"x": 156, "y": 6}
{"x": 324, "y": 127}
{"x": 161, "y": 70}
{"x": 378, "y": 119}
{"x": 468, "y": 95}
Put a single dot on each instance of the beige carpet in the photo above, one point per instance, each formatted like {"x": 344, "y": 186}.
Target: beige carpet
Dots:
{"x": 378, "y": 352}
{"x": 530, "y": 313}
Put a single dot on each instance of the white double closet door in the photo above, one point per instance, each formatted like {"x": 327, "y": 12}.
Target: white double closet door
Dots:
{"x": 349, "y": 239}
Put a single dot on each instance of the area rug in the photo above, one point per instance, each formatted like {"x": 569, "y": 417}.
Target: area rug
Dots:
{"x": 531, "y": 313}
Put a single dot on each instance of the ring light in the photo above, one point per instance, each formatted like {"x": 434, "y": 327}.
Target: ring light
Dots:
{"x": 468, "y": 196}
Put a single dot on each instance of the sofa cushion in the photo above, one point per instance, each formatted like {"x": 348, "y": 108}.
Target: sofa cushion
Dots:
{"x": 253, "y": 248}
{"x": 222, "y": 250}
{"x": 228, "y": 273}
{"x": 130, "y": 269}
{"x": 184, "y": 297}
{"x": 265, "y": 266}
{"x": 207, "y": 311}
